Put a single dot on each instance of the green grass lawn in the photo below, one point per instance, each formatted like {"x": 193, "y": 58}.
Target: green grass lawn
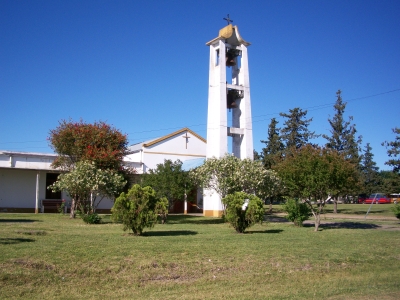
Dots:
{"x": 49, "y": 256}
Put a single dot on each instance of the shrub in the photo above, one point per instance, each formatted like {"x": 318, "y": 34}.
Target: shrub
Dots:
{"x": 239, "y": 216}
{"x": 136, "y": 209}
{"x": 91, "y": 218}
{"x": 396, "y": 210}
{"x": 61, "y": 208}
{"x": 162, "y": 209}
{"x": 297, "y": 212}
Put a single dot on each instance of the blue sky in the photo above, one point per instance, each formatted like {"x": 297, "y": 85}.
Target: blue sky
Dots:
{"x": 142, "y": 66}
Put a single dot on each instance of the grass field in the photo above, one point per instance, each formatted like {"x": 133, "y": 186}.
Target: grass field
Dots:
{"x": 48, "y": 256}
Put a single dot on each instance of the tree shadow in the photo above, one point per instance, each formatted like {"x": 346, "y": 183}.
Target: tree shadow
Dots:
{"x": 264, "y": 231}
{"x": 275, "y": 219}
{"x": 169, "y": 233}
{"x": 352, "y": 212}
{"x": 344, "y": 225}
{"x": 18, "y": 221}
{"x": 12, "y": 241}
{"x": 186, "y": 219}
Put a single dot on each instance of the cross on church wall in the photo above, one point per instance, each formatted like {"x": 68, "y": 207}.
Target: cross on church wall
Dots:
{"x": 186, "y": 137}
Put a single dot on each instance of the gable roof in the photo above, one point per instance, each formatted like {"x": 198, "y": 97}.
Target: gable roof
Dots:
{"x": 153, "y": 142}
{"x": 149, "y": 143}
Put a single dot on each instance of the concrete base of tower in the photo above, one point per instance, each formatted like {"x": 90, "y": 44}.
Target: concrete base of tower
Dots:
{"x": 213, "y": 213}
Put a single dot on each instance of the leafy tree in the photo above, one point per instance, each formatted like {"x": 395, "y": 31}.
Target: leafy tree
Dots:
{"x": 394, "y": 151}
{"x": 312, "y": 174}
{"x": 80, "y": 141}
{"x": 137, "y": 209}
{"x": 168, "y": 180}
{"x": 273, "y": 146}
{"x": 389, "y": 182}
{"x": 230, "y": 174}
{"x": 369, "y": 171}
{"x": 295, "y": 132}
{"x": 88, "y": 185}
{"x": 243, "y": 210}
{"x": 297, "y": 211}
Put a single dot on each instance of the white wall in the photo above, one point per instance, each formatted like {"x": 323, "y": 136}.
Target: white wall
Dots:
{"x": 37, "y": 161}
{"x": 18, "y": 188}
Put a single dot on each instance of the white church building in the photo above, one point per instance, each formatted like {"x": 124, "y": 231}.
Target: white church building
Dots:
{"x": 25, "y": 176}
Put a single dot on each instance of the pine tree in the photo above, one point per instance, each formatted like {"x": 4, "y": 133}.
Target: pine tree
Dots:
{"x": 273, "y": 146}
{"x": 369, "y": 171}
{"x": 394, "y": 151}
{"x": 343, "y": 134}
{"x": 296, "y": 133}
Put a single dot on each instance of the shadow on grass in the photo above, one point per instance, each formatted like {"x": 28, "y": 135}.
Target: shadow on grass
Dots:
{"x": 344, "y": 225}
{"x": 185, "y": 219}
{"x": 12, "y": 241}
{"x": 18, "y": 221}
{"x": 275, "y": 219}
{"x": 354, "y": 212}
{"x": 169, "y": 233}
{"x": 264, "y": 231}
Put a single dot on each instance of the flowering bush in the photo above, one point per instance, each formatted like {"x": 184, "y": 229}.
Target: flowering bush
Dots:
{"x": 88, "y": 186}
{"x": 230, "y": 174}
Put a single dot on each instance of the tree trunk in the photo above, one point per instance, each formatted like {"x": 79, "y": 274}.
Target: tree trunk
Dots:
{"x": 270, "y": 205}
{"x": 335, "y": 205}
{"x": 72, "y": 212}
{"x": 317, "y": 221}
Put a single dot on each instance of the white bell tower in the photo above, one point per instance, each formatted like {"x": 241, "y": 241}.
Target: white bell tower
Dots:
{"x": 228, "y": 92}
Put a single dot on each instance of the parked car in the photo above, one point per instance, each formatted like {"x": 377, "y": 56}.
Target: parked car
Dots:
{"x": 362, "y": 198}
{"x": 377, "y": 198}
{"x": 395, "y": 198}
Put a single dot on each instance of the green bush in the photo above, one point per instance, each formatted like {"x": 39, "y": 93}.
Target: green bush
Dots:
{"x": 297, "y": 212}
{"x": 136, "y": 209}
{"x": 91, "y": 218}
{"x": 396, "y": 210}
{"x": 162, "y": 209}
{"x": 241, "y": 217}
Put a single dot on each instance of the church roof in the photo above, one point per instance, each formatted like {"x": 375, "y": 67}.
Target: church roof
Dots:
{"x": 31, "y": 154}
{"x": 231, "y": 35}
{"x": 138, "y": 146}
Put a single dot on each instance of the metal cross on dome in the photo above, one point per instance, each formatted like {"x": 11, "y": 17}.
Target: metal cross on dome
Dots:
{"x": 228, "y": 19}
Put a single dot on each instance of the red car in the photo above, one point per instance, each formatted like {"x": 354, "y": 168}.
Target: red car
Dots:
{"x": 362, "y": 198}
{"x": 377, "y": 198}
